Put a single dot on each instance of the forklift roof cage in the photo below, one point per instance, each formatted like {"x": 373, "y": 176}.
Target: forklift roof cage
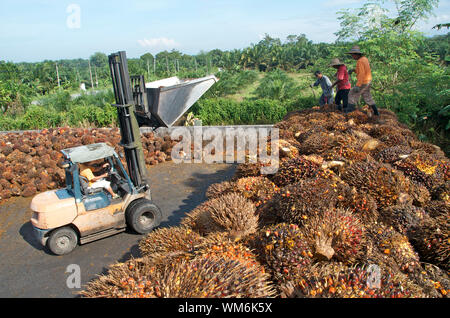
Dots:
{"x": 88, "y": 153}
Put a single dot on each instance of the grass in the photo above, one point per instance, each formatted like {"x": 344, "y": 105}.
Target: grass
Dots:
{"x": 302, "y": 79}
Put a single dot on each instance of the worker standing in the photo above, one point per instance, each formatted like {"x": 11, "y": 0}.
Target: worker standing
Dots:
{"x": 343, "y": 84}
{"x": 364, "y": 81}
{"x": 327, "y": 90}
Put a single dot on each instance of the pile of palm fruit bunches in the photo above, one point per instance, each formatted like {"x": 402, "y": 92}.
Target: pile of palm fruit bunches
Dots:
{"x": 359, "y": 207}
{"x": 31, "y": 161}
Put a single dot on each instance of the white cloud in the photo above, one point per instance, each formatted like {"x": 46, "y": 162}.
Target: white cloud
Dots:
{"x": 158, "y": 43}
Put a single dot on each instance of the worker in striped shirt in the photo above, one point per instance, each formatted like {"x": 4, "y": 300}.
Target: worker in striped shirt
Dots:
{"x": 364, "y": 80}
{"x": 327, "y": 89}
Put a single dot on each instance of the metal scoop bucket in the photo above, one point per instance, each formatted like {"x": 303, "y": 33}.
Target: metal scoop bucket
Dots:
{"x": 170, "y": 98}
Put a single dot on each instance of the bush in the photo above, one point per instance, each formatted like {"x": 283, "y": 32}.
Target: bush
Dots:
{"x": 83, "y": 114}
{"x": 38, "y": 117}
{"x": 277, "y": 85}
{"x": 221, "y": 111}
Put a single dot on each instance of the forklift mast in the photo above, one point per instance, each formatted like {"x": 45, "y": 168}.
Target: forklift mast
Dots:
{"x": 129, "y": 128}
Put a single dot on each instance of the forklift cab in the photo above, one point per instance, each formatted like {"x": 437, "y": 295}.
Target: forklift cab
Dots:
{"x": 95, "y": 198}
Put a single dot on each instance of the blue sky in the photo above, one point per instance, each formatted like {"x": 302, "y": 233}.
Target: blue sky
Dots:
{"x": 48, "y": 29}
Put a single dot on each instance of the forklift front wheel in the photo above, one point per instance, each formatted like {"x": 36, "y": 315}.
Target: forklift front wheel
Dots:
{"x": 62, "y": 241}
{"x": 143, "y": 216}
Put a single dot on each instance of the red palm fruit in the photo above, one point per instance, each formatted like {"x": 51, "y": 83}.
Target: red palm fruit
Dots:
{"x": 335, "y": 234}
{"x": 283, "y": 249}
{"x": 294, "y": 170}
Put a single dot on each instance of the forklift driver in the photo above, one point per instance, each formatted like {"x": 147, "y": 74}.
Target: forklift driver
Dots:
{"x": 97, "y": 181}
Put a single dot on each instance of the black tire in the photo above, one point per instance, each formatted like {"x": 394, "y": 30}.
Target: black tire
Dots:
{"x": 143, "y": 216}
{"x": 62, "y": 241}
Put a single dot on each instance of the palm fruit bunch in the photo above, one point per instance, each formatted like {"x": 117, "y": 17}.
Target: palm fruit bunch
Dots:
{"x": 244, "y": 170}
{"x": 256, "y": 189}
{"x": 428, "y": 148}
{"x": 341, "y": 126}
{"x": 394, "y": 249}
{"x": 318, "y": 143}
{"x": 434, "y": 281}
{"x": 297, "y": 202}
{"x": 423, "y": 169}
{"x": 347, "y": 148}
{"x": 335, "y": 233}
{"x": 169, "y": 240}
{"x": 219, "y": 245}
{"x": 381, "y": 181}
{"x": 432, "y": 242}
{"x": 287, "y": 149}
{"x": 283, "y": 249}
{"x": 198, "y": 278}
{"x": 359, "y": 117}
{"x": 217, "y": 189}
{"x": 392, "y": 154}
{"x": 361, "y": 204}
{"x": 294, "y": 170}
{"x": 231, "y": 213}
{"x": 442, "y": 192}
{"x": 403, "y": 217}
{"x": 338, "y": 280}
{"x": 438, "y": 208}
{"x": 303, "y": 133}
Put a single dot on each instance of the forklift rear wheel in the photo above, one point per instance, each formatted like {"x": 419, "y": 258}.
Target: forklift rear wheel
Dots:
{"x": 62, "y": 241}
{"x": 143, "y": 216}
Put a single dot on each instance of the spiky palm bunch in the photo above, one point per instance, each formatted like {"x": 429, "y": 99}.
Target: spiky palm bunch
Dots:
{"x": 198, "y": 278}
{"x": 438, "y": 209}
{"x": 217, "y": 189}
{"x": 283, "y": 249}
{"x": 403, "y": 217}
{"x": 220, "y": 245}
{"x": 337, "y": 280}
{"x": 335, "y": 233}
{"x": 392, "y": 154}
{"x": 431, "y": 240}
{"x": 381, "y": 181}
{"x": 423, "y": 169}
{"x": 394, "y": 247}
{"x": 231, "y": 213}
{"x": 169, "y": 240}
{"x": 297, "y": 202}
{"x": 294, "y": 170}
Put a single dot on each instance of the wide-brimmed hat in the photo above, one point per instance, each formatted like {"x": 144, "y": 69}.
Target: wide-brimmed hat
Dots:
{"x": 355, "y": 50}
{"x": 335, "y": 62}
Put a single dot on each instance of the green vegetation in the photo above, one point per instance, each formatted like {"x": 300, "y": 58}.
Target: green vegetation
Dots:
{"x": 260, "y": 83}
